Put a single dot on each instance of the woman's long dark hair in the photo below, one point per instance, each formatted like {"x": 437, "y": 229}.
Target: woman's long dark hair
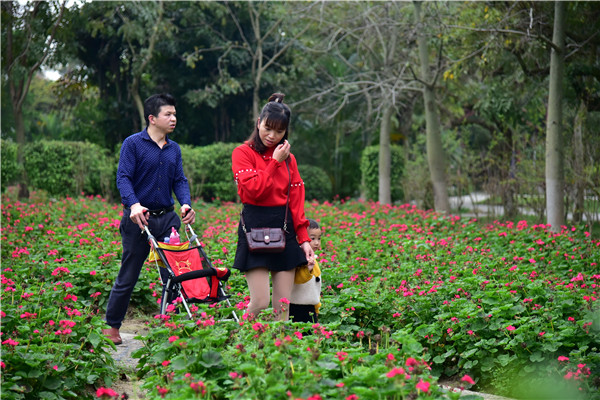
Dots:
{"x": 277, "y": 116}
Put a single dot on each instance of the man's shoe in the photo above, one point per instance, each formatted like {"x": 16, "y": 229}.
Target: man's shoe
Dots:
{"x": 113, "y": 334}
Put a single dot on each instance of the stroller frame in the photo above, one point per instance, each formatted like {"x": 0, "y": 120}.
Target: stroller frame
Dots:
{"x": 174, "y": 284}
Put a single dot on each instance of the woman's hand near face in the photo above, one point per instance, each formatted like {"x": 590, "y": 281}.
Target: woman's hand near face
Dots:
{"x": 282, "y": 151}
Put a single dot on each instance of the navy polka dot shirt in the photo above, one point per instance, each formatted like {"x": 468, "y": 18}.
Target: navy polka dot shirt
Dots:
{"x": 148, "y": 174}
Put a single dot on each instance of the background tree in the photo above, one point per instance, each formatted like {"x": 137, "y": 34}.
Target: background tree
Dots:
{"x": 340, "y": 77}
{"x": 29, "y": 39}
{"x": 435, "y": 151}
{"x": 554, "y": 157}
{"x": 141, "y": 29}
{"x": 364, "y": 71}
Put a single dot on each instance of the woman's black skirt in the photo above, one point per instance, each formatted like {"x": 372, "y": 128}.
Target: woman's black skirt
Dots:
{"x": 268, "y": 217}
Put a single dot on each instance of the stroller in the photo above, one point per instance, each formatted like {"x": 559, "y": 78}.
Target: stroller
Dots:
{"x": 191, "y": 275}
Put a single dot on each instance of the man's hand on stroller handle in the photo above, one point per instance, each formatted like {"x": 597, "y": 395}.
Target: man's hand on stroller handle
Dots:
{"x": 188, "y": 215}
{"x": 138, "y": 215}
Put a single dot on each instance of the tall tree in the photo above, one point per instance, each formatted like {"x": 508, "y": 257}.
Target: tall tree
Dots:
{"x": 267, "y": 43}
{"x": 364, "y": 72}
{"x": 435, "y": 150}
{"x": 555, "y": 208}
{"x": 142, "y": 27}
{"x": 28, "y": 40}
{"x": 247, "y": 46}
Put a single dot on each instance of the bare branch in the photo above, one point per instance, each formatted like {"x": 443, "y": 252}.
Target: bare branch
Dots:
{"x": 507, "y": 31}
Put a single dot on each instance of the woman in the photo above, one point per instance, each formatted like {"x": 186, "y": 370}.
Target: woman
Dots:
{"x": 265, "y": 173}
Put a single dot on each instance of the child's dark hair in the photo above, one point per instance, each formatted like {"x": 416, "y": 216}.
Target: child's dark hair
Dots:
{"x": 153, "y": 104}
{"x": 276, "y": 115}
{"x": 312, "y": 224}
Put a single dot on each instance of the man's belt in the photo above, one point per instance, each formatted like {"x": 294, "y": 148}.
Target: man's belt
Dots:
{"x": 160, "y": 211}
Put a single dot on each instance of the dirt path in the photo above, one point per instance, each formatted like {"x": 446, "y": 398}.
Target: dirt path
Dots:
{"x": 128, "y": 383}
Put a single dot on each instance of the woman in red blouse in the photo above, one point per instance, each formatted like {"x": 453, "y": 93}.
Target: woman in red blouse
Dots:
{"x": 263, "y": 181}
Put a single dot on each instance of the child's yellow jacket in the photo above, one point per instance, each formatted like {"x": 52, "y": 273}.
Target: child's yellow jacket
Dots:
{"x": 307, "y": 286}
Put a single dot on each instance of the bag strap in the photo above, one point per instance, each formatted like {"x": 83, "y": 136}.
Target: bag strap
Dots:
{"x": 287, "y": 203}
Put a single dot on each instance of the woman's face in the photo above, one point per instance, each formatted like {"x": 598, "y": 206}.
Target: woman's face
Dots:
{"x": 269, "y": 136}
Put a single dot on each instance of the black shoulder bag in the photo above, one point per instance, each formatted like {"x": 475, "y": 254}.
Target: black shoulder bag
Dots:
{"x": 268, "y": 240}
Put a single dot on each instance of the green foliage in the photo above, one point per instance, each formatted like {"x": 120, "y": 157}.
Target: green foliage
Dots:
{"x": 11, "y": 170}
{"x": 316, "y": 183}
{"x": 510, "y": 304}
{"x": 70, "y": 168}
{"x": 208, "y": 169}
{"x": 369, "y": 168}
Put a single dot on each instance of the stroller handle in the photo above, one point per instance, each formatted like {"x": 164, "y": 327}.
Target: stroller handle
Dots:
{"x": 188, "y": 227}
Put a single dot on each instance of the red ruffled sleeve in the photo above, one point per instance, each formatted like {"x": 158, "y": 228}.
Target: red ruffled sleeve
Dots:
{"x": 297, "y": 203}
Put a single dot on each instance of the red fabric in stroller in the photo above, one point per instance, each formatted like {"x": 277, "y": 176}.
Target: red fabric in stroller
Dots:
{"x": 183, "y": 263}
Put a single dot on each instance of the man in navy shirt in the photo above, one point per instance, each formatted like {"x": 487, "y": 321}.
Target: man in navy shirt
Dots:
{"x": 150, "y": 170}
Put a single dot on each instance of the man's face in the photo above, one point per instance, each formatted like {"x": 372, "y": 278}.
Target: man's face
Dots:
{"x": 166, "y": 119}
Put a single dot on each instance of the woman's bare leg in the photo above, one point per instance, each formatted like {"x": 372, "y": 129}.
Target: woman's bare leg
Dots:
{"x": 260, "y": 291}
{"x": 283, "y": 281}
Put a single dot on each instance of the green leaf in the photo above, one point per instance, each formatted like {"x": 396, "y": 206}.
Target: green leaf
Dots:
{"x": 439, "y": 359}
{"x": 211, "y": 359}
{"x": 94, "y": 339}
{"x": 490, "y": 300}
{"x": 52, "y": 383}
{"x": 47, "y": 396}
{"x": 327, "y": 365}
{"x": 182, "y": 362}
{"x": 469, "y": 353}
{"x": 504, "y": 359}
{"x": 536, "y": 357}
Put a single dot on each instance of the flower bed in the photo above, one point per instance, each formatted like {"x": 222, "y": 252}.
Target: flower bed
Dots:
{"x": 409, "y": 296}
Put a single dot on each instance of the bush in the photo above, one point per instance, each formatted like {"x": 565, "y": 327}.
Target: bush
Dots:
{"x": 11, "y": 171}
{"x": 316, "y": 183}
{"x": 208, "y": 170}
{"x": 70, "y": 168}
{"x": 369, "y": 168}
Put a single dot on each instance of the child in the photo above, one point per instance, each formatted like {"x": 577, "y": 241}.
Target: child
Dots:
{"x": 306, "y": 293}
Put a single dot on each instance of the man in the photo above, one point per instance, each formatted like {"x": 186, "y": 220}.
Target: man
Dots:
{"x": 150, "y": 170}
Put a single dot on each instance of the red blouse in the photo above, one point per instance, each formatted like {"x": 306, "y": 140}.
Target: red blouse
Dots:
{"x": 263, "y": 181}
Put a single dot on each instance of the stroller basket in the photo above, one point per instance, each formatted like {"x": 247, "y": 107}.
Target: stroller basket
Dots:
{"x": 191, "y": 275}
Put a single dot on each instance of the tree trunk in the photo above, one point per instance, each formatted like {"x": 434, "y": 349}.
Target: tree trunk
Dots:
{"x": 385, "y": 195}
{"x": 578, "y": 163}
{"x": 139, "y": 104}
{"x": 20, "y": 128}
{"x": 554, "y": 156}
{"x": 435, "y": 150}
{"x": 257, "y": 60}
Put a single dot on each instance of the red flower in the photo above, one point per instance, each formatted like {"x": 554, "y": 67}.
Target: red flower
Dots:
{"x": 106, "y": 393}
{"x": 468, "y": 379}
{"x": 422, "y": 386}
{"x": 395, "y": 371}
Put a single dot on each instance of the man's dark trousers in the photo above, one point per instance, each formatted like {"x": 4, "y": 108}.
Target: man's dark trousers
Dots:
{"x": 135, "y": 251}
